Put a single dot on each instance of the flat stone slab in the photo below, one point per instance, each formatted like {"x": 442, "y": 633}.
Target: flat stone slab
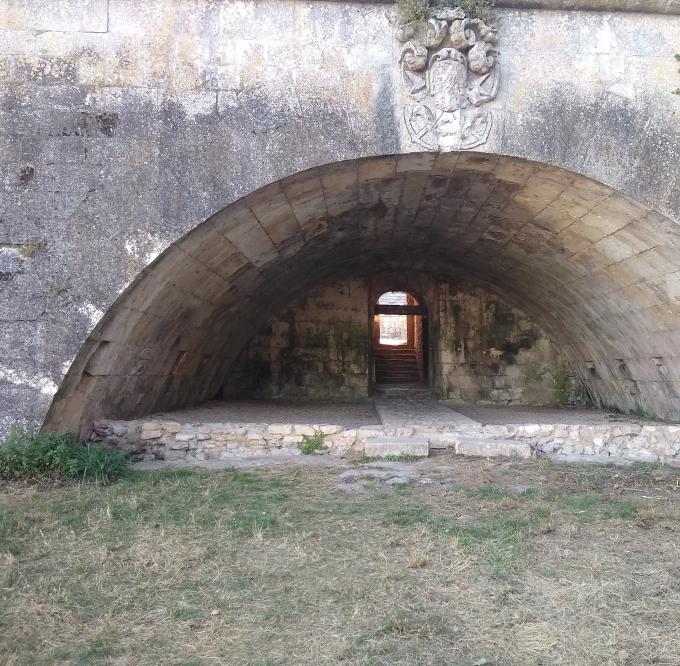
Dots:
{"x": 379, "y": 447}
{"x": 424, "y": 414}
{"x": 489, "y": 448}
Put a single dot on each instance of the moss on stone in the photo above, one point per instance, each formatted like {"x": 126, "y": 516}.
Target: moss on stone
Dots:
{"x": 561, "y": 385}
{"x": 29, "y": 249}
{"x": 418, "y": 11}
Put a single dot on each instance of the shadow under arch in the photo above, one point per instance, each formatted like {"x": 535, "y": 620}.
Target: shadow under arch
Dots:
{"x": 598, "y": 271}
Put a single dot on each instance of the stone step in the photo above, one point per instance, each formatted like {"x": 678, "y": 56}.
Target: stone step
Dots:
{"x": 394, "y": 362}
{"x": 412, "y": 392}
{"x": 379, "y": 447}
{"x": 379, "y": 355}
{"x": 492, "y": 448}
{"x": 397, "y": 377}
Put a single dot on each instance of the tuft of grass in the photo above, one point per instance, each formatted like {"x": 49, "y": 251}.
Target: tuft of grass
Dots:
{"x": 30, "y": 248}
{"x": 312, "y": 443}
{"x": 391, "y": 457}
{"x": 58, "y": 456}
{"x": 252, "y": 524}
{"x": 481, "y": 9}
{"x": 407, "y": 516}
{"x": 413, "y": 11}
{"x": 487, "y": 493}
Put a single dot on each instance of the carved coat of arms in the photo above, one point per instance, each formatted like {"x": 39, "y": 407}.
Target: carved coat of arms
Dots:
{"x": 449, "y": 68}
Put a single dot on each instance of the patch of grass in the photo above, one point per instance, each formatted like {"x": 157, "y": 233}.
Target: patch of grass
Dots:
{"x": 407, "y": 516}
{"x": 58, "y": 456}
{"x": 413, "y": 11}
{"x": 487, "y": 493}
{"x": 481, "y": 9}
{"x": 131, "y": 572}
{"x": 418, "y": 11}
{"x": 530, "y": 494}
{"x": 391, "y": 457}
{"x": 623, "y": 510}
{"x": 188, "y": 613}
{"x": 30, "y": 248}
{"x": 581, "y": 503}
{"x": 252, "y": 524}
{"x": 312, "y": 443}
{"x": 98, "y": 650}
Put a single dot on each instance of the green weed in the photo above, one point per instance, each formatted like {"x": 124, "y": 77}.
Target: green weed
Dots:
{"x": 312, "y": 443}
{"x": 58, "y": 456}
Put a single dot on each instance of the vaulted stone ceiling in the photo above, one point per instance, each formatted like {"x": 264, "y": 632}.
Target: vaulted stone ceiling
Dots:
{"x": 596, "y": 269}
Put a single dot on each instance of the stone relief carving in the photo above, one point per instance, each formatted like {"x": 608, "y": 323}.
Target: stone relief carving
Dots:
{"x": 449, "y": 68}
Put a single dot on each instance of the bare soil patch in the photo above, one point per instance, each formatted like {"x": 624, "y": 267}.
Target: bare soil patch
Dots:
{"x": 470, "y": 562}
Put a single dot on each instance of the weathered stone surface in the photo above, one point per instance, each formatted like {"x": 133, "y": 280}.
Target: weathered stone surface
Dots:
{"x": 304, "y": 430}
{"x": 379, "y": 447}
{"x": 570, "y": 214}
{"x": 491, "y": 448}
{"x": 328, "y": 429}
{"x": 280, "y": 428}
{"x": 448, "y": 70}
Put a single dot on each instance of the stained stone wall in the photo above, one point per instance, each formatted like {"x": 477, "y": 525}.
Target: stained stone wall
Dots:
{"x": 316, "y": 348}
{"x": 129, "y": 133}
{"x": 488, "y": 351}
{"x": 480, "y": 348}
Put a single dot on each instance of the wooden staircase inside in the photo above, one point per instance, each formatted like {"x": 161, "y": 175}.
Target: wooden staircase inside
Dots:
{"x": 396, "y": 365}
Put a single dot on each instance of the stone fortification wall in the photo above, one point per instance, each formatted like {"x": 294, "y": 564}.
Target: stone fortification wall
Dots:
{"x": 489, "y": 351}
{"x": 316, "y": 348}
{"x": 125, "y": 124}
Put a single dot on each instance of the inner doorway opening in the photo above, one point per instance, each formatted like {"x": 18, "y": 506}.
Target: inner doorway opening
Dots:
{"x": 399, "y": 339}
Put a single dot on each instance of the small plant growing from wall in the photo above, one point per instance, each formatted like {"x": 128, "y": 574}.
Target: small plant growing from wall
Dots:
{"x": 561, "y": 385}
{"x": 413, "y": 11}
{"x": 418, "y": 11}
{"x": 312, "y": 443}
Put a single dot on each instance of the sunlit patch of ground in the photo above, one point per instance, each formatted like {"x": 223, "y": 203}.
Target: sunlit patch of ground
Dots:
{"x": 483, "y": 563}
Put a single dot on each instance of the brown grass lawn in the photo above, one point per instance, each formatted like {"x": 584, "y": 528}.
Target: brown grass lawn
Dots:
{"x": 495, "y": 562}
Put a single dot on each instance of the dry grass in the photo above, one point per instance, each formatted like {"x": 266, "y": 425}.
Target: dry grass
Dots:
{"x": 514, "y": 563}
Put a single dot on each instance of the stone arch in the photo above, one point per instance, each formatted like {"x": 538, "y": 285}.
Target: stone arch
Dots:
{"x": 599, "y": 271}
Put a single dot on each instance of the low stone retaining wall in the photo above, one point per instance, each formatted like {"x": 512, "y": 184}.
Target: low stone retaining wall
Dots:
{"x": 659, "y": 442}
{"x": 171, "y": 440}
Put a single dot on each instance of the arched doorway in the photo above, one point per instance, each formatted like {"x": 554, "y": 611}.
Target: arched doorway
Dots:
{"x": 399, "y": 339}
